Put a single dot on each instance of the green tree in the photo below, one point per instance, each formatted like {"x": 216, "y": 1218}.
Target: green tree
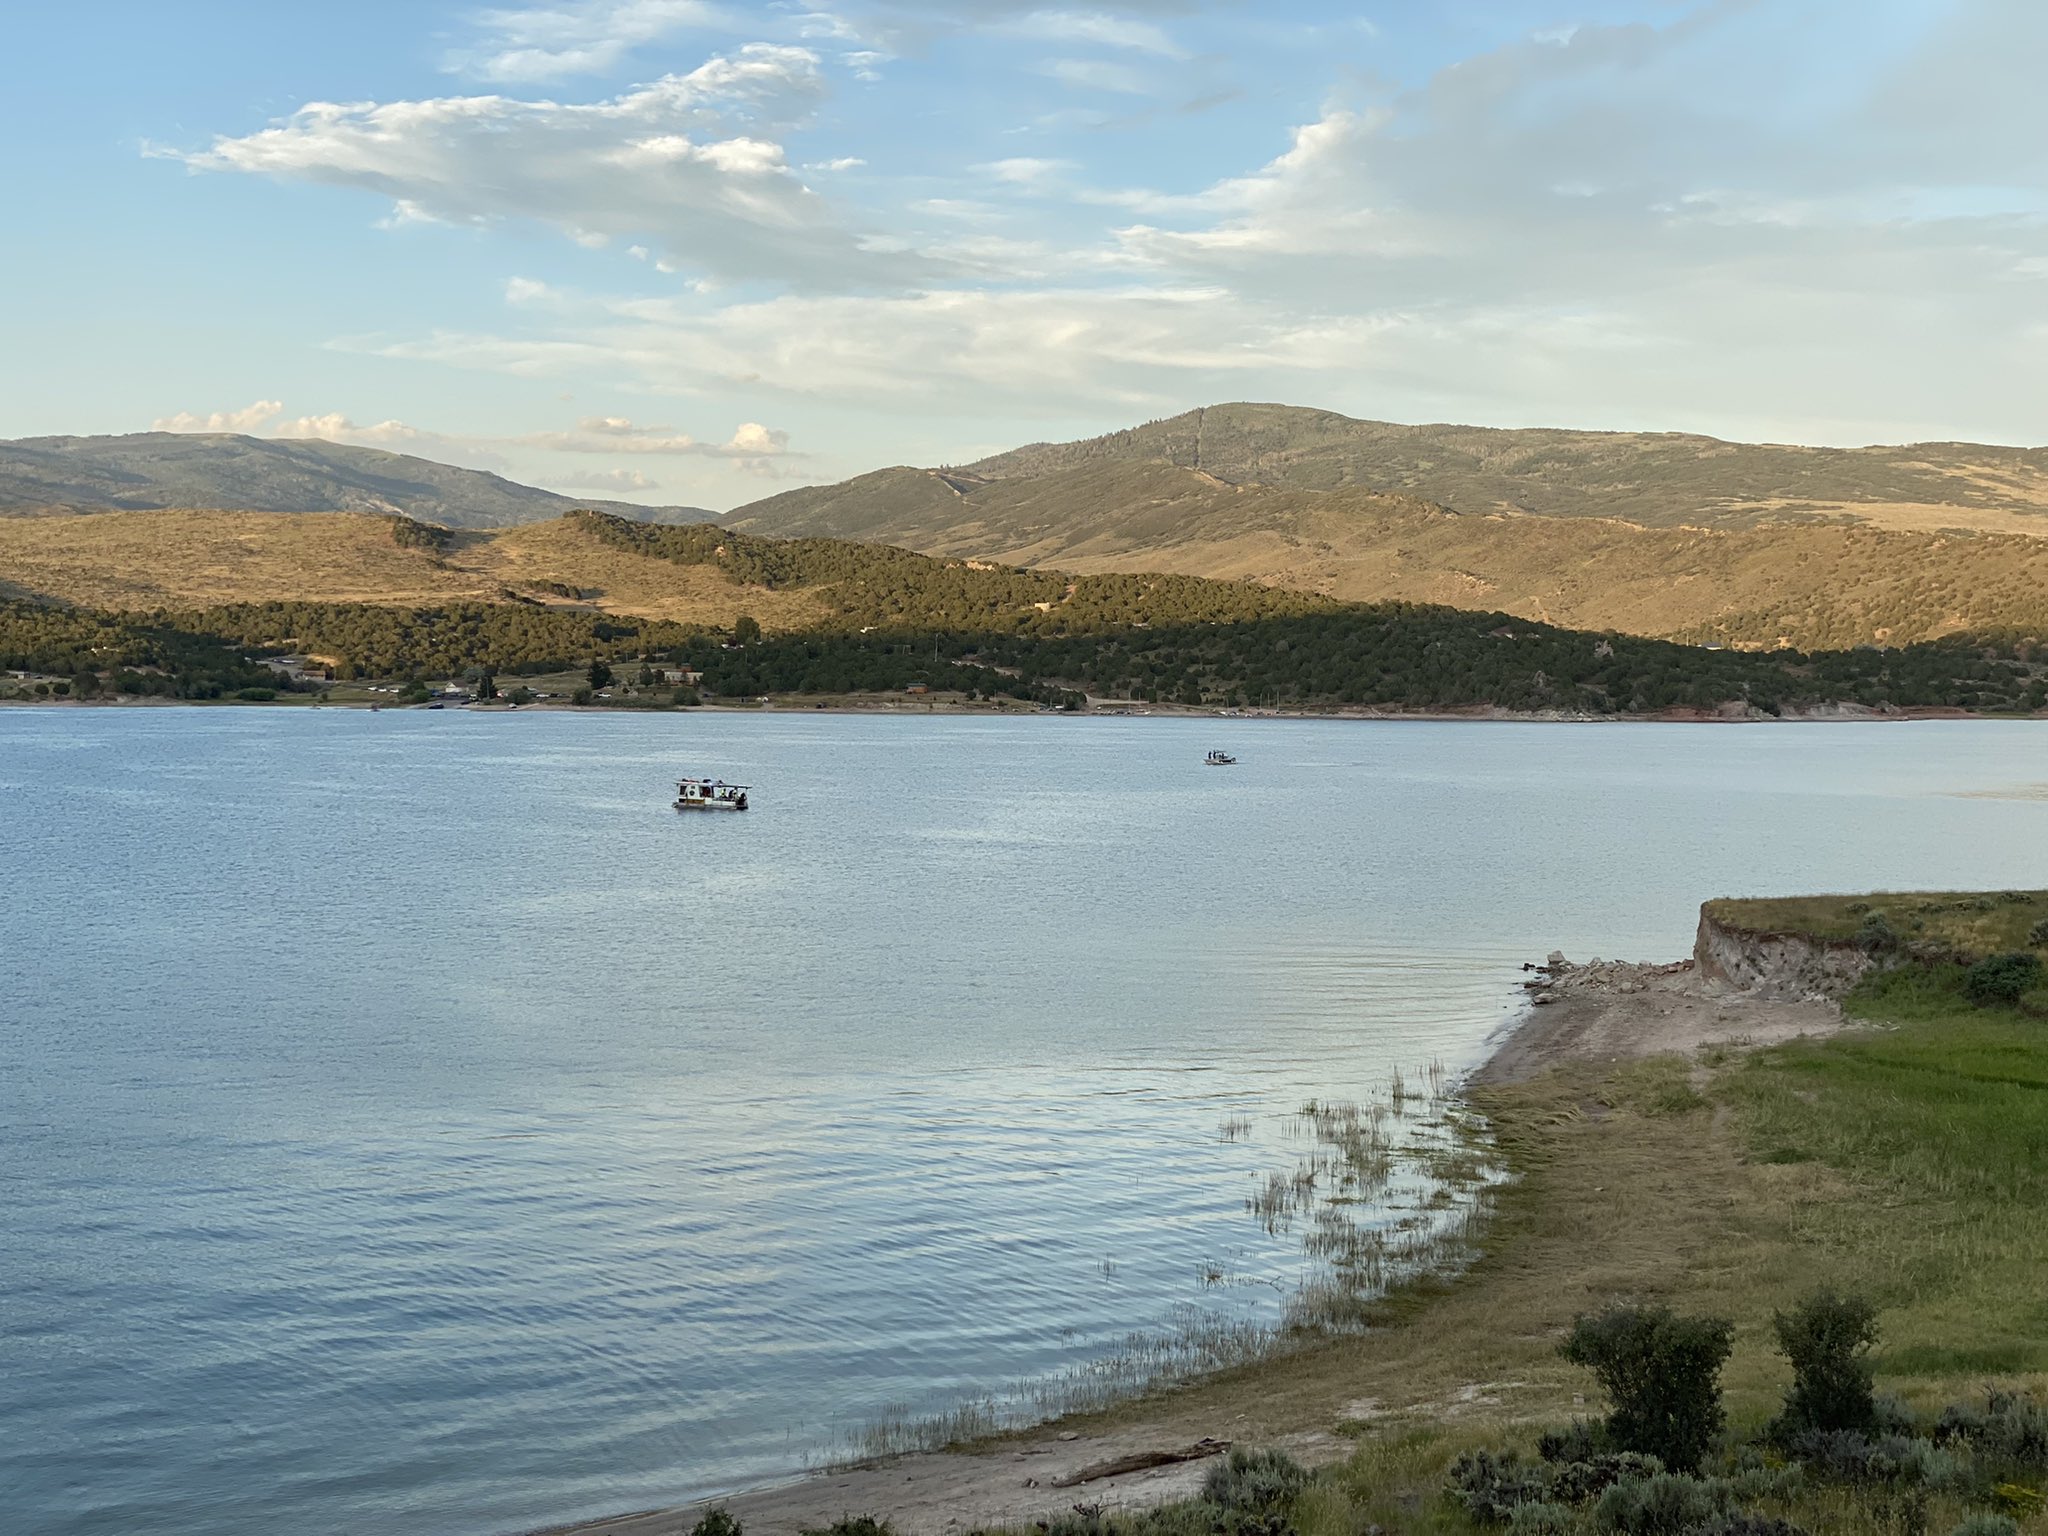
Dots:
{"x": 487, "y": 687}
{"x": 1662, "y": 1376}
{"x": 746, "y": 630}
{"x": 1827, "y": 1338}
{"x": 600, "y": 675}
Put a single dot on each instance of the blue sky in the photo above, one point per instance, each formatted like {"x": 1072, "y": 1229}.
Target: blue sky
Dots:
{"x": 690, "y": 251}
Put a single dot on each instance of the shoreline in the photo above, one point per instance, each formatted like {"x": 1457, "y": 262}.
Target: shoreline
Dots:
{"x": 1592, "y": 1015}
{"x": 1475, "y": 715}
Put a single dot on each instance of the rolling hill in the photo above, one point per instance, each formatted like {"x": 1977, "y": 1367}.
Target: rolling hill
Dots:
{"x": 148, "y": 471}
{"x": 1656, "y": 534}
{"x": 1810, "y": 587}
{"x": 1659, "y": 479}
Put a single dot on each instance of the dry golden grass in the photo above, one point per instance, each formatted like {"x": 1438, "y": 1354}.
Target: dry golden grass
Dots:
{"x": 1804, "y": 583}
{"x": 203, "y": 559}
{"x": 179, "y": 559}
{"x": 621, "y": 582}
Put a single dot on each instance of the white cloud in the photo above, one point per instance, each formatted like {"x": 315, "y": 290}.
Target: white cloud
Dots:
{"x": 1097, "y": 75}
{"x": 1025, "y": 170}
{"x": 1100, "y": 27}
{"x": 548, "y": 42}
{"x": 667, "y": 164}
{"x": 249, "y": 419}
{"x": 615, "y": 480}
{"x": 1729, "y": 220}
{"x": 618, "y": 434}
{"x": 334, "y": 427}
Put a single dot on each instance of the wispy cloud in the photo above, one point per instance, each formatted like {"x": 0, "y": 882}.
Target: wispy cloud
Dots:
{"x": 527, "y": 44}
{"x": 1098, "y": 75}
{"x": 1098, "y": 27}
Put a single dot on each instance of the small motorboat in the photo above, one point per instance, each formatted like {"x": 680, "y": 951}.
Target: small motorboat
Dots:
{"x": 710, "y": 795}
{"x": 1218, "y": 760}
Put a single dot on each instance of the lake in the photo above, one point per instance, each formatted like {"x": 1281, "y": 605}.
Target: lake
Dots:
{"x": 410, "y": 1115}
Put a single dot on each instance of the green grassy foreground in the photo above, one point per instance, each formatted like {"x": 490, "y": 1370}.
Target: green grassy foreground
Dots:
{"x": 1905, "y": 1162}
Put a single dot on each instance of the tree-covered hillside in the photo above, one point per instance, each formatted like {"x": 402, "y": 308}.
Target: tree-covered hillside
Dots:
{"x": 1389, "y": 657}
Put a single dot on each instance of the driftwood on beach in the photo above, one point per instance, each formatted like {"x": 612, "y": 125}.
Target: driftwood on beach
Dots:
{"x": 1139, "y": 1461}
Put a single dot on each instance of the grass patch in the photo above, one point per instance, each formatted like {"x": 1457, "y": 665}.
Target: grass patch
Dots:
{"x": 1971, "y": 923}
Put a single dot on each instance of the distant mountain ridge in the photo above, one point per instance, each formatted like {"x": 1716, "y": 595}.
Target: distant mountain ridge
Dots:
{"x": 1653, "y": 480}
{"x": 1657, "y": 479}
{"x": 152, "y": 471}
{"x": 1663, "y": 534}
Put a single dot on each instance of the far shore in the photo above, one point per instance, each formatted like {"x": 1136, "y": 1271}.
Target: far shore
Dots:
{"x": 1592, "y": 1021}
{"x": 1097, "y": 709}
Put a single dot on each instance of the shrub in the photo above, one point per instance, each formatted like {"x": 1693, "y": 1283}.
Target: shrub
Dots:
{"x": 853, "y": 1525}
{"x": 1846, "y": 1456}
{"x": 1493, "y": 1486}
{"x": 1541, "y": 1520}
{"x": 2038, "y": 934}
{"x": 1827, "y": 1337}
{"x": 519, "y": 695}
{"x": 1984, "y": 1524}
{"x": 1668, "y": 1504}
{"x": 2002, "y": 978}
{"x": 2011, "y": 1429}
{"x": 716, "y": 1522}
{"x": 1255, "y": 1481}
{"x": 1875, "y": 936}
{"x": 1577, "y": 1482}
{"x": 1661, "y": 1373}
{"x": 686, "y": 698}
{"x": 1577, "y": 1441}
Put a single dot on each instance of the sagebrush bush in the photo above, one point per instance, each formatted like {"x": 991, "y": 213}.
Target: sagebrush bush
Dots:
{"x": 1849, "y": 1456}
{"x": 1827, "y": 1337}
{"x": 1493, "y": 1485}
{"x": 2009, "y": 1430}
{"x": 853, "y": 1525}
{"x": 1540, "y": 1519}
{"x": 1875, "y": 936}
{"x": 1668, "y": 1504}
{"x": 717, "y": 1522}
{"x": 2002, "y": 978}
{"x": 1255, "y": 1480}
{"x": 1985, "y": 1524}
{"x": 1578, "y": 1482}
{"x": 2038, "y": 934}
{"x": 1661, "y": 1373}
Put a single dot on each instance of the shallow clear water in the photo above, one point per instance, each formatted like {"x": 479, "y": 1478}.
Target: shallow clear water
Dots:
{"x": 410, "y": 1114}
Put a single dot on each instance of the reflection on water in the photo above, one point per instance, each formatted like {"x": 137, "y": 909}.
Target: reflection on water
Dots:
{"x": 409, "y": 1115}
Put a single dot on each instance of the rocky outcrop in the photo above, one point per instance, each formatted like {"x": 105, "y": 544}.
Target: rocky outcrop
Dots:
{"x": 1780, "y": 965}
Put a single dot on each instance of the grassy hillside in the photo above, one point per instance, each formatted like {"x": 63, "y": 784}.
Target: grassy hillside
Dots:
{"x": 1658, "y": 479}
{"x": 1805, "y": 585}
{"x": 385, "y": 596}
{"x": 158, "y": 470}
{"x": 208, "y": 559}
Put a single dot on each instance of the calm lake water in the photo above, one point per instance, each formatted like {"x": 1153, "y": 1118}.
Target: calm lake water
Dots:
{"x": 410, "y": 1115}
